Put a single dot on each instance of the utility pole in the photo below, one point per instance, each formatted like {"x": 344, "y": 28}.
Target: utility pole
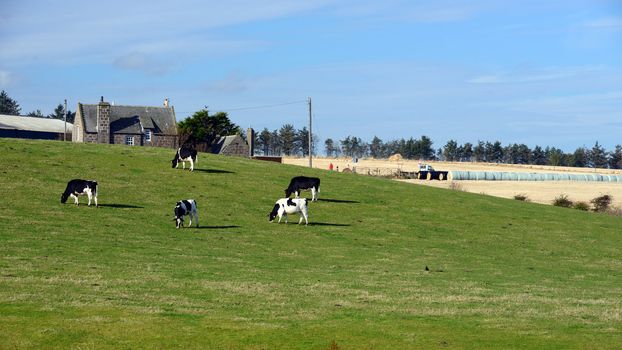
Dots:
{"x": 310, "y": 138}
{"x": 65, "y": 119}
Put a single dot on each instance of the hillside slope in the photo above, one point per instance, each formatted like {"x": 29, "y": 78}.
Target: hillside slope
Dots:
{"x": 382, "y": 265}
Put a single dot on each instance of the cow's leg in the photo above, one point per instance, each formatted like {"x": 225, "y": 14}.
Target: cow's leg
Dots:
{"x": 191, "y": 164}
{"x": 313, "y": 194}
{"x": 89, "y": 195}
{"x": 95, "y": 197}
{"x": 75, "y": 198}
{"x": 196, "y": 217}
{"x": 303, "y": 215}
{"x": 297, "y": 193}
{"x": 280, "y": 217}
{"x": 183, "y": 164}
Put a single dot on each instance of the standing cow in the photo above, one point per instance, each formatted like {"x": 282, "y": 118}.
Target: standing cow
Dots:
{"x": 186, "y": 207}
{"x": 185, "y": 154}
{"x": 78, "y": 187}
{"x": 285, "y": 206}
{"x": 299, "y": 183}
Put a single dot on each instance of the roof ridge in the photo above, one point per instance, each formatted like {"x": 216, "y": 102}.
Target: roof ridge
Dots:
{"x": 95, "y": 104}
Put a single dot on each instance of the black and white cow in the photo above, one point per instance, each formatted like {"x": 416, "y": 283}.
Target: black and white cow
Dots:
{"x": 183, "y": 208}
{"x": 185, "y": 154}
{"x": 299, "y": 183}
{"x": 285, "y": 206}
{"x": 78, "y": 187}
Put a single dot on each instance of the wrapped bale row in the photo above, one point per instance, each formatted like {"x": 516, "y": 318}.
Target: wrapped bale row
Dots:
{"x": 517, "y": 176}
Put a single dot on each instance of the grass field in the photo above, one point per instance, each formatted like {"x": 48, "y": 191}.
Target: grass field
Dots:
{"x": 500, "y": 273}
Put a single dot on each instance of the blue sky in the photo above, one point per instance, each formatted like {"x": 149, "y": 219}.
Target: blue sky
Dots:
{"x": 533, "y": 72}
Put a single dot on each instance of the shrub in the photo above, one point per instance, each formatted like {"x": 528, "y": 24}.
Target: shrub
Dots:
{"x": 521, "y": 197}
{"x": 581, "y": 206}
{"x": 601, "y": 204}
{"x": 562, "y": 201}
{"x": 615, "y": 211}
{"x": 455, "y": 186}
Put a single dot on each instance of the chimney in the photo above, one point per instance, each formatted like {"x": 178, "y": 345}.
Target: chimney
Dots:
{"x": 250, "y": 138}
{"x": 103, "y": 121}
{"x": 166, "y": 102}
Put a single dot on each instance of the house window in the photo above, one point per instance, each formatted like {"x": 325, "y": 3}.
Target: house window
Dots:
{"x": 148, "y": 135}
{"x": 129, "y": 140}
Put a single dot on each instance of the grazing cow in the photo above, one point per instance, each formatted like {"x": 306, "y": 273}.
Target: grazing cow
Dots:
{"x": 183, "y": 208}
{"x": 78, "y": 187}
{"x": 285, "y": 206}
{"x": 299, "y": 183}
{"x": 185, "y": 154}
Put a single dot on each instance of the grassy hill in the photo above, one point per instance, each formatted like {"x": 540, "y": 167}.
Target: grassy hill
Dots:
{"x": 500, "y": 273}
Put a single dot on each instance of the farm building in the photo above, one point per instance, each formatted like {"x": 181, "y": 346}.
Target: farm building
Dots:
{"x": 129, "y": 125}
{"x": 232, "y": 145}
{"x": 33, "y": 128}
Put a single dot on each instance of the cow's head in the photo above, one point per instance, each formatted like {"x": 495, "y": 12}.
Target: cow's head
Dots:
{"x": 63, "y": 197}
{"x": 174, "y": 162}
{"x": 273, "y": 213}
{"x": 288, "y": 192}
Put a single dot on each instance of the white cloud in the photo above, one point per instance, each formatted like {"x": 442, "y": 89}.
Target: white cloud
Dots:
{"x": 604, "y": 23}
{"x": 529, "y": 76}
{"x": 5, "y": 78}
{"x": 142, "y": 62}
{"x": 234, "y": 83}
{"x": 96, "y": 30}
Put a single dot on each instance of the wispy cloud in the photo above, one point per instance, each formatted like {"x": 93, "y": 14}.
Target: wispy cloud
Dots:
{"x": 413, "y": 11}
{"x": 37, "y": 36}
{"x": 233, "y": 83}
{"x": 530, "y": 76}
{"x": 5, "y": 78}
{"x": 605, "y": 23}
{"x": 142, "y": 62}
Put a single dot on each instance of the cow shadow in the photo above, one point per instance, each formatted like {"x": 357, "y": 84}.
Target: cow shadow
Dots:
{"x": 327, "y": 224}
{"x": 335, "y": 200}
{"x": 215, "y": 171}
{"x": 121, "y": 206}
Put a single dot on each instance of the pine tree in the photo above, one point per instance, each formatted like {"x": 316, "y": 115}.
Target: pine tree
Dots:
{"x": 8, "y": 106}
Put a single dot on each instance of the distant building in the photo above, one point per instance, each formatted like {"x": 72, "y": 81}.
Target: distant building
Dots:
{"x": 33, "y": 128}
{"x": 232, "y": 145}
{"x": 128, "y": 125}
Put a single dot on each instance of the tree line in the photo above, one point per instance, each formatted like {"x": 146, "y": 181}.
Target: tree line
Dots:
{"x": 482, "y": 151}
{"x": 9, "y": 106}
{"x": 204, "y": 130}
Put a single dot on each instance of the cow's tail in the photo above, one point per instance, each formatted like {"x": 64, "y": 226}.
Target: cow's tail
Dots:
{"x": 196, "y": 157}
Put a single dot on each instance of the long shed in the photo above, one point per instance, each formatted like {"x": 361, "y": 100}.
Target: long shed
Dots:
{"x": 16, "y": 126}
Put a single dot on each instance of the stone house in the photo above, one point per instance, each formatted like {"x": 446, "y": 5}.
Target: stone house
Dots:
{"x": 126, "y": 125}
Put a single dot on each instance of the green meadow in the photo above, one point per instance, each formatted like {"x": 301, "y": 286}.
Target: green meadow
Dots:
{"x": 381, "y": 265}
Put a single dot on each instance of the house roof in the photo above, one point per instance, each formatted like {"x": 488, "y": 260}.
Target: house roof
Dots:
{"x": 15, "y": 122}
{"x": 225, "y": 141}
{"x": 131, "y": 119}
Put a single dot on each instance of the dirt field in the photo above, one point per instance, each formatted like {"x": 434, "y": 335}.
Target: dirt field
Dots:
{"x": 539, "y": 192}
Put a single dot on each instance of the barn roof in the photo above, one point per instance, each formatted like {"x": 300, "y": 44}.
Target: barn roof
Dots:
{"x": 131, "y": 119}
{"x": 15, "y": 122}
{"x": 226, "y": 141}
